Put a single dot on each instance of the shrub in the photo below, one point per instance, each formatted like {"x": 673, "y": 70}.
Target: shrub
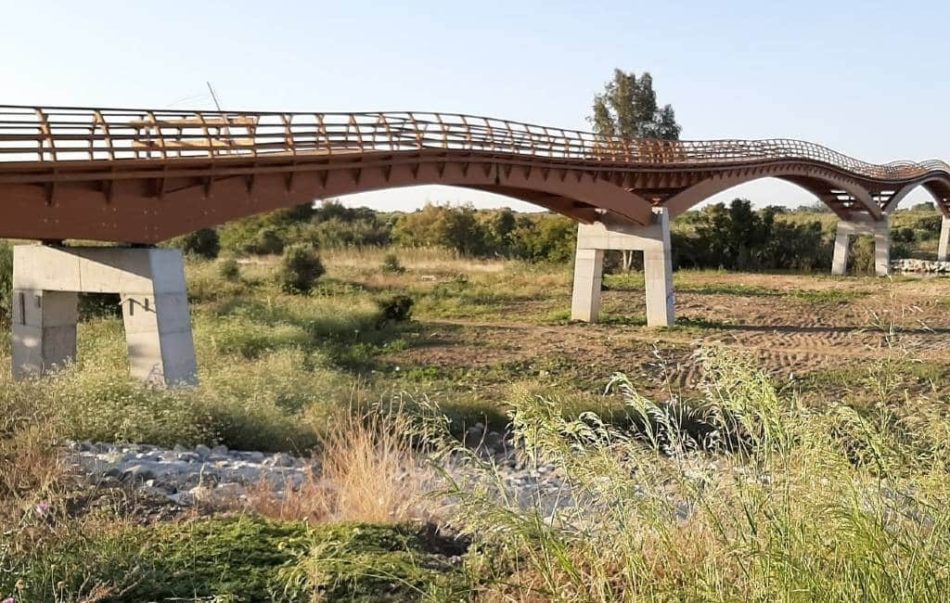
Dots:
{"x": 267, "y": 241}
{"x": 397, "y": 308}
{"x": 862, "y": 254}
{"x": 203, "y": 243}
{"x": 442, "y": 226}
{"x": 100, "y": 305}
{"x": 928, "y": 226}
{"x": 903, "y": 235}
{"x": 736, "y": 237}
{"x": 544, "y": 238}
{"x": 229, "y": 270}
{"x": 391, "y": 264}
{"x": 300, "y": 268}
{"x": 356, "y": 228}
{"x": 6, "y": 280}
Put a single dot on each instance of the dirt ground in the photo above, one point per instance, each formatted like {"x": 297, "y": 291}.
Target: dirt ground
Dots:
{"x": 794, "y": 325}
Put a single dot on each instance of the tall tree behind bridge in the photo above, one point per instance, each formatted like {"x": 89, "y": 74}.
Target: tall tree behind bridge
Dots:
{"x": 627, "y": 109}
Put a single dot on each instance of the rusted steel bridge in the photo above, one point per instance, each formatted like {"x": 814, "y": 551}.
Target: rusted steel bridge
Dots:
{"x": 143, "y": 176}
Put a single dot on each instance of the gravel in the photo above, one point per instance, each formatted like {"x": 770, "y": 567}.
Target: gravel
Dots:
{"x": 187, "y": 476}
{"x": 921, "y": 266}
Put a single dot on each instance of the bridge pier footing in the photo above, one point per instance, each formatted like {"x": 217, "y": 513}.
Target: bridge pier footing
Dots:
{"x": 944, "y": 245}
{"x": 653, "y": 240}
{"x": 881, "y": 230}
{"x": 151, "y": 286}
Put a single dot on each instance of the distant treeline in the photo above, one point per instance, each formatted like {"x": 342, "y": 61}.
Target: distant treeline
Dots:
{"x": 732, "y": 237}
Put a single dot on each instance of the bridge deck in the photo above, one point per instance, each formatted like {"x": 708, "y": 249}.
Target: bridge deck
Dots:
{"x": 144, "y": 175}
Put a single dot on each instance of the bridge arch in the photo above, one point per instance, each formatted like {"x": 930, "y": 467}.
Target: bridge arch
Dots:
{"x": 937, "y": 185}
{"x": 842, "y": 195}
{"x": 576, "y": 193}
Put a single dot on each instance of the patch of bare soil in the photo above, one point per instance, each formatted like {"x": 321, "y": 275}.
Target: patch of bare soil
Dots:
{"x": 790, "y": 334}
{"x": 111, "y": 499}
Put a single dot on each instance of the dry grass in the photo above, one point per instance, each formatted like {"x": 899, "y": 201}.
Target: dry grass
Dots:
{"x": 423, "y": 259}
{"x": 34, "y": 479}
{"x": 369, "y": 472}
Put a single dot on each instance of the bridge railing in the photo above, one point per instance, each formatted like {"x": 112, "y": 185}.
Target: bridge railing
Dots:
{"x": 32, "y": 134}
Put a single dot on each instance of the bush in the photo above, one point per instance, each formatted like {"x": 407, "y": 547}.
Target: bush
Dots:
{"x": 903, "y": 235}
{"x": 202, "y": 243}
{"x": 300, "y": 268}
{"x": 6, "y": 280}
{"x": 100, "y": 305}
{"x": 229, "y": 270}
{"x": 267, "y": 241}
{"x": 544, "y": 238}
{"x": 391, "y": 264}
{"x": 736, "y": 237}
{"x": 442, "y": 226}
{"x": 861, "y": 255}
{"x": 926, "y": 227}
{"x": 397, "y": 308}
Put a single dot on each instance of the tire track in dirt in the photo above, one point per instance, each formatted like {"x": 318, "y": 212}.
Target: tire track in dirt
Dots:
{"x": 781, "y": 350}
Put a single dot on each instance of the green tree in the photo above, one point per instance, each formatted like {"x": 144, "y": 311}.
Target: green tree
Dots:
{"x": 627, "y": 108}
{"x": 442, "y": 226}
{"x": 497, "y": 228}
{"x": 736, "y": 237}
{"x": 544, "y": 237}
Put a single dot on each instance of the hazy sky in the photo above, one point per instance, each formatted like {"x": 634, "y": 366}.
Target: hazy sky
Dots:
{"x": 867, "y": 77}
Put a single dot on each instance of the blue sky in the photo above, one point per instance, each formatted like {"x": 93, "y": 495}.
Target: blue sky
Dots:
{"x": 867, "y": 77}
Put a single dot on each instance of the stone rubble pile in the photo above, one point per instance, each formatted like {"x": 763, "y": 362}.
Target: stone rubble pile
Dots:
{"x": 186, "y": 476}
{"x": 220, "y": 476}
{"x": 920, "y": 266}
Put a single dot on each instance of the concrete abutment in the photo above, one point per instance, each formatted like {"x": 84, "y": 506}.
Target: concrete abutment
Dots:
{"x": 653, "y": 240}
{"x": 880, "y": 230}
{"x": 151, "y": 286}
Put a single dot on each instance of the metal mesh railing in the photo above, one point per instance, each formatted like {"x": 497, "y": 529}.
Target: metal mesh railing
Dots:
{"x": 31, "y": 134}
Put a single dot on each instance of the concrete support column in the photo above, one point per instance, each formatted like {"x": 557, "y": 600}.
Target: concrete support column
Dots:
{"x": 942, "y": 249}
{"x": 882, "y": 248}
{"x": 653, "y": 240}
{"x": 839, "y": 262}
{"x": 588, "y": 275}
{"x": 44, "y": 330}
{"x": 151, "y": 285}
{"x": 880, "y": 230}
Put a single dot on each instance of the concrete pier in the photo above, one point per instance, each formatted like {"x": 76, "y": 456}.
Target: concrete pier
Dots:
{"x": 942, "y": 249}
{"x": 653, "y": 240}
{"x": 881, "y": 231}
{"x": 151, "y": 286}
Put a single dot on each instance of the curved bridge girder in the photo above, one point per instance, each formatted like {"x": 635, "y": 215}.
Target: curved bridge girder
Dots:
{"x": 137, "y": 210}
{"x": 829, "y": 187}
{"x": 938, "y": 186}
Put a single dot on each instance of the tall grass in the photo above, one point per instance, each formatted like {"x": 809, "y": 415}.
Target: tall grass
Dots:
{"x": 745, "y": 496}
{"x": 369, "y": 472}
